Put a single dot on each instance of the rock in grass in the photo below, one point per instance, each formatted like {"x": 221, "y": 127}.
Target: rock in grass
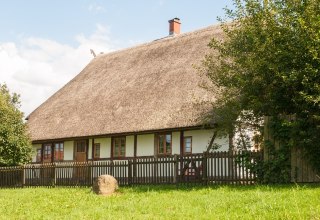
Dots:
{"x": 105, "y": 185}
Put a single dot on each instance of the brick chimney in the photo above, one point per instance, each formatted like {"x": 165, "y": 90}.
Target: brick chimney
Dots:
{"x": 174, "y": 26}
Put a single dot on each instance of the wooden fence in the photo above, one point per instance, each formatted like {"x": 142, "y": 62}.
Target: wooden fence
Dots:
{"x": 301, "y": 169}
{"x": 212, "y": 168}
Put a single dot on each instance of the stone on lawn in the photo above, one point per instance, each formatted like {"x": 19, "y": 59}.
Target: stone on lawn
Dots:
{"x": 105, "y": 185}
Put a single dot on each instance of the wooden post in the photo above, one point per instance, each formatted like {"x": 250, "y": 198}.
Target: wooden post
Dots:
{"x": 111, "y": 168}
{"x": 23, "y": 176}
{"x": 204, "y": 168}
{"x": 92, "y": 149}
{"x": 54, "y": 175}
{"x": 176, "y": 169}
{"x": 129, "y": 172}
{"x": 135, "y": 145}
{"x": 181, "y": 143}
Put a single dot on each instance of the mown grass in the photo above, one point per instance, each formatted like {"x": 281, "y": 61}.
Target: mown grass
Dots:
{"x": 164, "y": 202}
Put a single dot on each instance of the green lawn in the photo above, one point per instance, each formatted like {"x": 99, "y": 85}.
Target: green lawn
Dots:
{"x": 167, "y": 202}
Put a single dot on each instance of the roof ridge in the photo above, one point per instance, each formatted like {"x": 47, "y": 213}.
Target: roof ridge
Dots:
{"x": 160, "y": 40}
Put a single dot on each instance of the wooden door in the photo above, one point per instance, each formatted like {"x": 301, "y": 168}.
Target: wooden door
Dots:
{"x": 80, "y": 171}
{"x": 80, "y": 149}
{"x": 47, "y": 172}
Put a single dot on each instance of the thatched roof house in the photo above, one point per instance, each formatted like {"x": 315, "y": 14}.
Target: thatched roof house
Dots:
{"x": 148, "y": 88}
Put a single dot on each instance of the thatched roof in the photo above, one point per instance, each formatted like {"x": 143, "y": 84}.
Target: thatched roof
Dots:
{"x": 149, "y": 87}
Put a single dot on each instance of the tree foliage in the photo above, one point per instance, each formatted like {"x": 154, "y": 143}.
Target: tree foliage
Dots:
{"x": 268, "y": 64}
{"x": 15, "y": 145}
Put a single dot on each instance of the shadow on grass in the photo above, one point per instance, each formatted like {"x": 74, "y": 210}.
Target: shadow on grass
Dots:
{"x": 166, "y": 188}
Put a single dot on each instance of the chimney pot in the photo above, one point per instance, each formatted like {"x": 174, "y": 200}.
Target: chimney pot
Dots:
{"x": 174, "y": 26}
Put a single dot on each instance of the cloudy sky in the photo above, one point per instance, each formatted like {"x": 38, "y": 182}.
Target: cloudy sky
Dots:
{"x": 45, "y": 43}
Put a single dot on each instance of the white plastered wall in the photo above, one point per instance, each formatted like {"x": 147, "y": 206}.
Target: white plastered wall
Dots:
{"x": 201, "y": 139}
{"x": 130, "y": 146}
{"x": 145, "y": 145}
{"x": 105, "y": 146}
{"x": 68, "y": 150}
{"x": 175, "y": 142}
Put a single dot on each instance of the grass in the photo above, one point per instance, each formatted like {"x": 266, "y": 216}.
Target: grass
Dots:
{"x": 165, "y": 202}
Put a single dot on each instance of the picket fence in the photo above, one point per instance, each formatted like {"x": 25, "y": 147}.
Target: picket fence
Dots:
{"x": 207, "y": 168}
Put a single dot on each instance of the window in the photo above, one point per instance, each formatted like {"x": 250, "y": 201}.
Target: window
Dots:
{"x": 58, "y": 152}
{"x": 164, "y": 144}
{"x": 47, "y": 151}
{"x": 187, "y": 145}
{"x": 119, "y": 147}
{"x": 81, "y": 146}
{"x": 96, "y": 151}
{"x": 38, "y": 156}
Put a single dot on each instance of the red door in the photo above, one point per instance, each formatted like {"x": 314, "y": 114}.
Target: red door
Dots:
{"x": 47, "y": 171}
{"x": 80, "y": 171}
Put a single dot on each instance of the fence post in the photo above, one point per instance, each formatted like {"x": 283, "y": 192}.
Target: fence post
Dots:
{"x": 176, "y": 169}
{"x": 204, "y": 168}
{"x": 111, "y": 168}
{"x": 54, "y": 175}
{"x": 129, "y": 172}
{"x": 23, "y": 176}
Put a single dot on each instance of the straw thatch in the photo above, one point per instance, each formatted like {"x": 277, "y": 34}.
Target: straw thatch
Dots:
{"x": 149, "y": 87}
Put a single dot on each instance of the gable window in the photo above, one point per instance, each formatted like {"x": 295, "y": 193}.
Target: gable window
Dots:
{"x": 96, "y": 151}
{"x": 119, "y": 147}
{"x": 187, "y": 144}
{"x": 164, "y": 144}
{"x": 58, "y": 152}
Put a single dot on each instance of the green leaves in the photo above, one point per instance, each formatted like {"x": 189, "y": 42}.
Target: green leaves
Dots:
{"x": 15, "y": 145}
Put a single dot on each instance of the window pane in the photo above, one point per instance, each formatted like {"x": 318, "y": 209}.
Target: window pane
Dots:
{"x": 38, "y": 157}
{"x": 161, "y": 144}
{"x": 58, "y": 152}
{"x": 81, "y": 146}
{"x": 188, "y": 145}
{"x": 119, "y": 147}
{"x": 168, "y": 143}
{"x": 116, "y": 147}
{"x": 123, "y": 150}
{"x": 97, "y": 150}
{"x": 47, "y": 152}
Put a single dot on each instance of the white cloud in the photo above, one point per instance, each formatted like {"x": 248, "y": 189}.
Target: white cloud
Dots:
{"x": 36, "y": 68}
{"x": 96, "y": 8}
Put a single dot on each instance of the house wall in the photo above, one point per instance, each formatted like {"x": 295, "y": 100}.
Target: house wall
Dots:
{"x": 68, "y": 150}
{"x": 105, "y": 146}
{"x": 175, "y": 142}
{"x": 130, "y": 146}
{"x": 201, "y": 139}
{"x": 145, "y": 145}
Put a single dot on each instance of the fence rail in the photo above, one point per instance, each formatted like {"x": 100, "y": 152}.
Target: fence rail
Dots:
{"x": 207, "y": 168}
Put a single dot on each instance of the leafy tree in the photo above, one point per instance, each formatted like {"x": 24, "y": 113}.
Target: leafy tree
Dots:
{"x": 15, "y": 145}
{"x": 268, "y": 64}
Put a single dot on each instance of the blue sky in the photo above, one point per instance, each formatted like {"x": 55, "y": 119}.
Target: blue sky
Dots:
{"x": 44, "y": 44}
